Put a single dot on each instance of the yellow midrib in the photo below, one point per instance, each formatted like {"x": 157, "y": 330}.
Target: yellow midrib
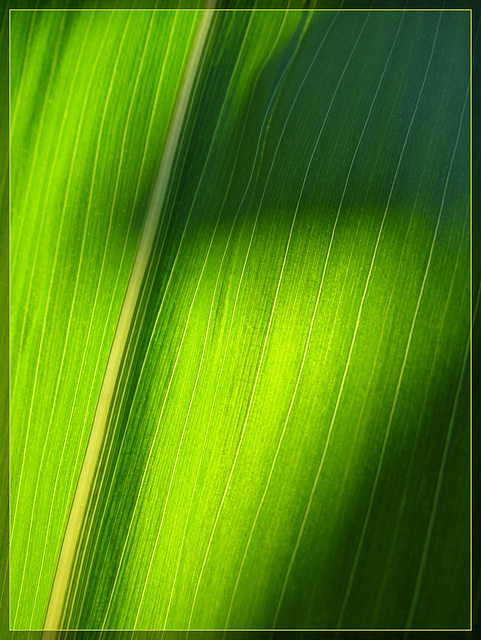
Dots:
{"x": 67, "y": 554}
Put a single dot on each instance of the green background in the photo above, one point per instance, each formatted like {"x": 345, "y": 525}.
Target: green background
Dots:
{"x": 475, "y": 295}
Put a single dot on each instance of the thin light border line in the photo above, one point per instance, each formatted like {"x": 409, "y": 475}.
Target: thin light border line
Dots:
{"x": 471, "y": 302}
{"x": 471, "y": 321}
{"x": 293, "y": 629}
{"x": 252, "y": 9}
{"x": 8, "y": 322}
{"x": 461, "y": 10}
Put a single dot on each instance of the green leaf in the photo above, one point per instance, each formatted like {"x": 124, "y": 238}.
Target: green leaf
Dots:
{"x": 240, "y": 315}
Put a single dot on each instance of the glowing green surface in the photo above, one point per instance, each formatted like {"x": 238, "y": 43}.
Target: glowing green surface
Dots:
{"x": 288, "y": 444}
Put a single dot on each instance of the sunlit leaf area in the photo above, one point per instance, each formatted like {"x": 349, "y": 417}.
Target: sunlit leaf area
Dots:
{"x": 240, "y": 310}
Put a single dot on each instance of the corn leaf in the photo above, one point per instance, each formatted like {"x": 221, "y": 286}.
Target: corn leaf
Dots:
{"x": 240, "y": 317}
